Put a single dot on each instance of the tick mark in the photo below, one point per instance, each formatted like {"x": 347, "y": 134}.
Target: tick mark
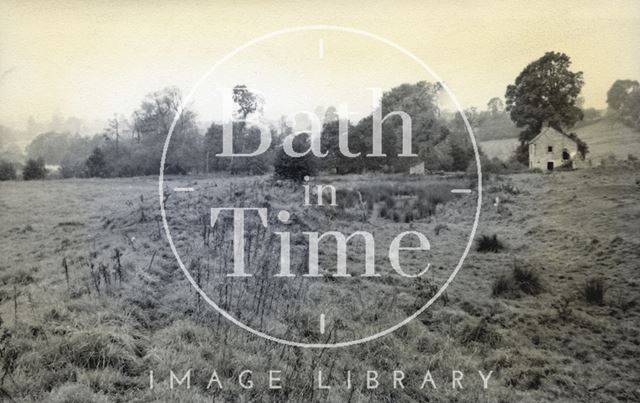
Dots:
{"x": 321, "y": 323}
{"x": 461, "y": 191}
{"x": 183, "y": 189}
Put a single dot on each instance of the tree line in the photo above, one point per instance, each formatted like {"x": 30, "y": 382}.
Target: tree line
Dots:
{"x": 442, "y": 143}
{"x": 545, "y": 93}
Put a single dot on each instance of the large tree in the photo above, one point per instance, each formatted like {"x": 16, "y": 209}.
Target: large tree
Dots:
{"x": 246, "y": 137}
{"x": 544, "y": 93}
{"x": 420, "y": 102}
{"x": 152, "y": 121}
{"x": 617, "y": 94}
{"x": 623, "y": 99}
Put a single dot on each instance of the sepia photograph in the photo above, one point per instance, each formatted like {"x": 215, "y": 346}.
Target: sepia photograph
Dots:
{"x": 281, "y": 201}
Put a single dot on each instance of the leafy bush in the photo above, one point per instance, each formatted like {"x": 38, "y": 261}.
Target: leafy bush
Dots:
{"x": 96, "y": 164}
{"x": 488, "y": 243}
{"x": 34, "y": 169}
{"x": 594, "y": 290}
{"x": 295, "y": 168}
{"x": 7, "y": 171}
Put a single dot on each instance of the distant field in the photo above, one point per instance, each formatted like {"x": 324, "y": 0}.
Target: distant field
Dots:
{"x": 502, "y": 148}
{"x": 604, "y": 138}
{"x": 607, "y": 137}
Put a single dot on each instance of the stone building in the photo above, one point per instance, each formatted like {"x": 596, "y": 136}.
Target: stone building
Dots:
{"x": 417, "y": 169}
{"x": 552, "y": 149}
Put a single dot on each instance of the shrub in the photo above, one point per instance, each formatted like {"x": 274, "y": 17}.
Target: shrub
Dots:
{"x": 96, "y": 164}
{"x": 294, "y": 168}
{"x": 175, "y": 169}
{"x": 408, "y": 217}
{"x": 395, "y": 216}
{"x": 488, "y": 243}
{"x": 521, "y": 280}
{"x": 7, "y": 171}
{"x": 594, "y": 290}
{"x": 440, "y": 227}
{"x": 34, "y": 169}
{"x": 527, "y": 280}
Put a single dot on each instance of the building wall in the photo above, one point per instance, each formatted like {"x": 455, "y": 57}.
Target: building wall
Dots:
{"x": 417, "y": 169}
{"x": 540, "y": 156}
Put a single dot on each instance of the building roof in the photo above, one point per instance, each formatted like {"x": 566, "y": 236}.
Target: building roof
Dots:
{"x": 548, "y": 130}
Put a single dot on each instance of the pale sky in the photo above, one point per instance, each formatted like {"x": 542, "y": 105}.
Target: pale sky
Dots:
{"x": 94, "y": 59}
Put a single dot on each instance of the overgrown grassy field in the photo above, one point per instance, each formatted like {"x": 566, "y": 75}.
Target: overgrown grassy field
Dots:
{"x": 92, "y": 299}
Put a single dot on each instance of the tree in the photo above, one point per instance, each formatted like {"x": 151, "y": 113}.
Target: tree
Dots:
{"x": 7, "y": 171}
{"x": 583, "y": 148}
{"x": 492, "y": 124}
{"x": 246, "y": 101}
{"x": 96, "y": 164}
{"x": 213, "y": 147}
{"x": 630, "y": 111}
{"x": 295, "y": 168}
{"x": 79, "y": 148}
{"x": 246, "y": 138}
{"x": 336, "y": 161}
{"x": 114, "y": 128}
{"x": 420, "y": 102}
{"x": 495, "y": 106}
{"x": 152, "y": 122}
{"x": 12, "y": 153}
{"x": 50, "y": 146}
{"x": 545, "y": 92}
{"x": 623, "y": 99}
{"x": 619, "y": 91}
{"x": 34, "y": 169}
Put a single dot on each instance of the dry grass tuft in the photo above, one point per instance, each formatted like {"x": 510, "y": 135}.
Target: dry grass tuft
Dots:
{"x": 76, "y": 393}
{"x": 527, "y": 280}
{"x": 481, "y": 333}
{"x": 594, "y": 290}
{"x": 100, "y": 348}
{"x": 521, "y": 280}
{"x": 488, "y": 243}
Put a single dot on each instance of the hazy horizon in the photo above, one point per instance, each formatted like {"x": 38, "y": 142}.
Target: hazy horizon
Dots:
{"x": 93, "y": 60}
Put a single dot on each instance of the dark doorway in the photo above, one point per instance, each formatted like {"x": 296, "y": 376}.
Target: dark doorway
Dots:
{"x": 550, "y": 165}
{"x": 565, "y": 155}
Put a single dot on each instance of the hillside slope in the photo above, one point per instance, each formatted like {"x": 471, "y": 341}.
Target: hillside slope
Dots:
{"x": 608, "y": 137}
{"x": 605, "y": 137}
